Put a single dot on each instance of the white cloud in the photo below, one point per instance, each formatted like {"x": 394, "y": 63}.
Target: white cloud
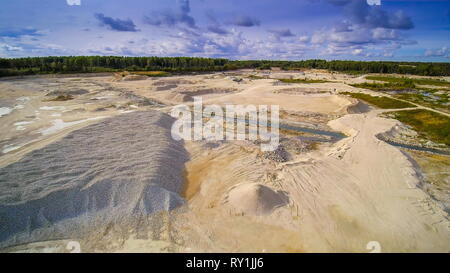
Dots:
{"x": 74, "y": 2}
{"x": 357, "y": 51}
{"x": 441, "y": 52}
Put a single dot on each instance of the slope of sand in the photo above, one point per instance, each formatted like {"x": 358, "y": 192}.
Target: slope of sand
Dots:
{"x": 110, "y": 172}
{"x": 340, "y": 198}
{"x": 263, "y": 92}
{"x": 365, "y": 190}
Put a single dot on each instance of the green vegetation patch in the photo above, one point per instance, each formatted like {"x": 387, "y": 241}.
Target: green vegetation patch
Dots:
{"x": 403, "y": 80}
{"x": 381, "y": 102}
{"x": 62, "y": 98}
{"x": 428, "y": 124}
{"x": 406, "y": 84}
{"x": 408, "y": 89}
{"x": 432, "y": 100}
{"x": 301, "y": 81}
{"x": 152, "y": 73}
{"x": 254, "y": 77}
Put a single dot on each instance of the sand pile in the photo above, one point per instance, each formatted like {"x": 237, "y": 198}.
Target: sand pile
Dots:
{"x": 166, "y": 87}
{"x": 110, "y": 172}
{"x": 209, "y": 91}
{"x": 254, "y": 199}
{"x": 74, "y": 92}
{"x": 172, "y": 82}
{"x": 358, "y": 107}
{"x": 176, "y": 97}
{"x": 138, "y": 100}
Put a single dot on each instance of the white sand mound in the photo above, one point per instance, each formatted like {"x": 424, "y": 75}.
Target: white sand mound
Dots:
{"x": 177, "y": 97}
{"x": 111, "y": 172}
{"x": 358, "y": 107}
{"x": 254, "y": 199}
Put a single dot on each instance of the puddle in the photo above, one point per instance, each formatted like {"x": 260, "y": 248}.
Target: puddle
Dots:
{"x": 23, "y": 99}
{"x": 20, "y": 126}
{"x": 5, "y": 111}
{"x": 10, "y": 148}
{"x": 50, "y": 108}
{"x": 59, "y": 124}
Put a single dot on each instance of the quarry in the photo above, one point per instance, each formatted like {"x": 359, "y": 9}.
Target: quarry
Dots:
{"x": 93, "y": 160}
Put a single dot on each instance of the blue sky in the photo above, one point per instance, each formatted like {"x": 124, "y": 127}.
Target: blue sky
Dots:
{"x": 235, "y": 29}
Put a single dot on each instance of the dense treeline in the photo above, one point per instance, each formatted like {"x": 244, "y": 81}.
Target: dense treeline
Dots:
{"x": 86, "y": 64}
{"x": 416, "y": 68}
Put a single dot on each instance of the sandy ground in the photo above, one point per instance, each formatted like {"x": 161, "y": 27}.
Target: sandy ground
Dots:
{"x": 335, "y": 198}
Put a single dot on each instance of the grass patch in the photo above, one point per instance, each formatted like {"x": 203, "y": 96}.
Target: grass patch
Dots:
{"x": 438, "y": 102}
{"x": 301, "y": 81}
{"x": 62, "y": 98}
{"x": 403, "y": 80}
{"x": 428, "y": 124}
{"x": 380, "y": 102}
{"x": 152, "y": 73}
{"x": 254, "y": 77}
{"x": 408, "y": 89}
{"x": 404, "y": 85}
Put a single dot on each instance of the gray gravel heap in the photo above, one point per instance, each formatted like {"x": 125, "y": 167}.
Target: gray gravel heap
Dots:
{"x": 121, "y": 168}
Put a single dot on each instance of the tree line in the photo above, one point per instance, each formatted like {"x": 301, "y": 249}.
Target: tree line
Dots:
{"x": 90, "y": 64}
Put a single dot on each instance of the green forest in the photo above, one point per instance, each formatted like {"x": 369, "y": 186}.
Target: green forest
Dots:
{"x": 91, "y": 64}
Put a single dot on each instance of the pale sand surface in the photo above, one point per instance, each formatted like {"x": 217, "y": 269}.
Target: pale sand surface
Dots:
{"x": 336, "y": 198}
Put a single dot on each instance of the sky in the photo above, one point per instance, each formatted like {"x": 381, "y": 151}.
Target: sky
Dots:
{"x": 391, "y": 30}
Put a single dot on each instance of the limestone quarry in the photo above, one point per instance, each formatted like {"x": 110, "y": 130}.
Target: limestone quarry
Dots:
{"x": 91, "y": 159}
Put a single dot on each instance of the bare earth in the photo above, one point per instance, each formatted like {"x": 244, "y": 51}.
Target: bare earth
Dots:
{"x": 330, "y": 197}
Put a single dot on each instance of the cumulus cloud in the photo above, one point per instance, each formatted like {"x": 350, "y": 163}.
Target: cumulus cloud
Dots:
{"x": 441, "y": 52}
{"x": 385, "y": 34}
{"x": 364, "y": 27}
{"x": 116, "y": 24}
{"x": 73, "y": 2}
{"x": 357, "y": 51}
{"x": 281, "y": 33}
{"x": 197, "y": 42}
{"x": 7, "y": 47}
{"x": 20, "y": 32}
{"x": 245, "y": 21}
{"x": 21, "y": 49}
{"x": 304, "y": 39}
{"x": 214, "y": 24}
{"x": 373, "y": 16}
{"x": 217, "y": 29}
{"x": 171, "y": 18}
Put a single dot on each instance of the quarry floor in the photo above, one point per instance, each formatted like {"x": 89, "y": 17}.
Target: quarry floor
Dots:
{"x": 333, "y": 196}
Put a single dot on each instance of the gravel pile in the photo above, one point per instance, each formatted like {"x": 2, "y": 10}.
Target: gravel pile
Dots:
{"x": 74, "y": 92}
{"x": 279, "y": 155}
{"x": 121, "y": 168}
